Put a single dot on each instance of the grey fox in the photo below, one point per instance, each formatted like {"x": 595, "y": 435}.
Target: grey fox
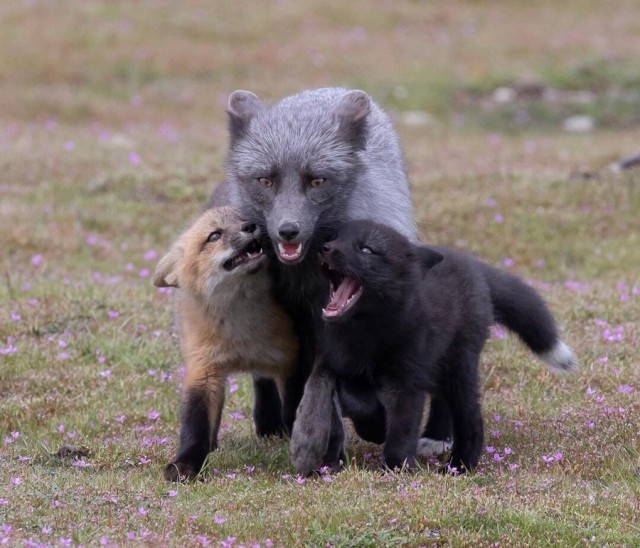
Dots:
{"x": 300, "y": 168}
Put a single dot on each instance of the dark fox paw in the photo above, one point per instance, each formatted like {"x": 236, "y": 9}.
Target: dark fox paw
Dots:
{"x": 267, "y": 431}
{"x": 181, "y": 471}
{"x": 408, "y": 464}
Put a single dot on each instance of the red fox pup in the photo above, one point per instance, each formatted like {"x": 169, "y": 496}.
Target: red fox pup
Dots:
{"x": 228, "y": 322}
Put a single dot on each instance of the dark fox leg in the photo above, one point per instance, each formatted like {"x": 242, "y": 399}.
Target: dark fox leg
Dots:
{"x": 361, "y": 404}
{"x": 404, "y": 413}
{"x": 461, "y": 391}
{"x": 199, "y": 425}
{"x": 292, "y": 394}
{"x": 275, "y": 414}
{"x": 438, "y": 433}
{"x": 295, "y": 383}
{"x": 267, "y": 408}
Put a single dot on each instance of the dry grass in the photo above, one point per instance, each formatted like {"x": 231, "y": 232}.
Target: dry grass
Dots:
{"x": 111, "y": 137}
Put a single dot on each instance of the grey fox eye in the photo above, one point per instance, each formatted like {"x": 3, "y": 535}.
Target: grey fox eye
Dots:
{"x": 315, "y": 183}
{"x": 264, "y": 181}
{"x": 366, "y": 249}
{"x": 214, "y": 236}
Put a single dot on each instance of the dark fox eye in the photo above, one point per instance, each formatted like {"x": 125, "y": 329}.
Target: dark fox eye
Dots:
{"x": 214, "y": 236}
{"x": 265, "y": 181}
{"x": 366, "y": 249}
{"x": 315, "y": 183}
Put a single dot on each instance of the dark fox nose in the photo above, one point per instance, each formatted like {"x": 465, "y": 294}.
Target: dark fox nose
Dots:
{"x": 327, "y": 248}
{"x": 249, "y": 227}
{"x": 288, "y": 231}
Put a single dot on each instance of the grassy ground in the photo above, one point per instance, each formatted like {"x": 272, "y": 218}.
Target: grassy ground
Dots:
{"x": 112, "y": 133}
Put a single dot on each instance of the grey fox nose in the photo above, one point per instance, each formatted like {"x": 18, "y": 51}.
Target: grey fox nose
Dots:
{"x": 249, "y": 227}
{"x": 289, "y": 231}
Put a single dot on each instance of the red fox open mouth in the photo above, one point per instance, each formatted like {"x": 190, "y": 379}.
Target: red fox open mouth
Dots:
{"x": 250, "y": 253}
{"x": 344, "y": 292}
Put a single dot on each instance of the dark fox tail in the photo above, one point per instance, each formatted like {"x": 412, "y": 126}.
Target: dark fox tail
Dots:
{"x": 522, "y": 310}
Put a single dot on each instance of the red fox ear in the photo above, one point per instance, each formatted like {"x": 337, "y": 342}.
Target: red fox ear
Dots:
{"x": 167, "y": 270}
{"x": 352, "y": 112}
{"x": 242, "y": 106}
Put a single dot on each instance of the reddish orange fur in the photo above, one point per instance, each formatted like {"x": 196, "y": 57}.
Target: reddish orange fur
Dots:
{"x": 228, "y": 321}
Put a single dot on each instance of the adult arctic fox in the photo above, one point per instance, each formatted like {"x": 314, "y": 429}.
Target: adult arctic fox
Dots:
{"x": 299, "y": 168}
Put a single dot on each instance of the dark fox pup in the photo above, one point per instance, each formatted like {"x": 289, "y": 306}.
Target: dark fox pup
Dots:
{"x": 228, "y": 322}
{"x": 404, "y": 321}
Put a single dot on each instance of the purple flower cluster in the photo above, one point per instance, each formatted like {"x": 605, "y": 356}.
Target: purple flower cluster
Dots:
{"x": 497, "y": 457}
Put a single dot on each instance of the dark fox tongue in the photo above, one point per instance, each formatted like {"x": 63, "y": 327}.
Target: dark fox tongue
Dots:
{"x": 342, "y": 298}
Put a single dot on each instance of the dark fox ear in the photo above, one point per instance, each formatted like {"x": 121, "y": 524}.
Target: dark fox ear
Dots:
{"x": 426, "y": 257}
{"x": 242, "y": 106}
{"x": 167, "y": 270}
{"x": 352, "y": 113}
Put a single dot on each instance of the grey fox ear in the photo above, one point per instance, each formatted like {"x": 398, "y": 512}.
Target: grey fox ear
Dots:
{"x": 352, "y": 114}
{"x": 426, "y": 257}
{"x": 166, "y": 272}
{"x": 242, "y": 106}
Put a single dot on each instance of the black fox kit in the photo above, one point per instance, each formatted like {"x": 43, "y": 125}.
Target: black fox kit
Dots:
{"x": 405, "y": 320}
{"x": 227, "y": 320}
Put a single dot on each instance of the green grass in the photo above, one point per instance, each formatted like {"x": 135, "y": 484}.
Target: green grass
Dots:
{"x": 112, "y": 135}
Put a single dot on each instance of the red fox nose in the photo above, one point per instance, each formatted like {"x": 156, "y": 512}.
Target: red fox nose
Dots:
{"x": 288, "y": 230}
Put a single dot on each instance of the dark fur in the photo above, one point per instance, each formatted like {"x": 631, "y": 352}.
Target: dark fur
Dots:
{"x": 418, "y": 328}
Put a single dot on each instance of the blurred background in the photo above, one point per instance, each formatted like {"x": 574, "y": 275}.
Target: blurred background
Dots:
{"x": 122, "y": 103}
{"x": 507, "y": 66}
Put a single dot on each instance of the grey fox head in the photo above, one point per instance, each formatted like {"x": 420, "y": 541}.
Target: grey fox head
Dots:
{"x": 292, "y": 165}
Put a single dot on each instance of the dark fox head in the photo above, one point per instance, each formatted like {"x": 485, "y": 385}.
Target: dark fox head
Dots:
{"x": 292, "y": 165}
{"x": 369, "y": 263}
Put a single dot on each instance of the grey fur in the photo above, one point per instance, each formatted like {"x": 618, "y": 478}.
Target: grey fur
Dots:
{"x": 316, "y": 133}
{"x": 317, "y": 420}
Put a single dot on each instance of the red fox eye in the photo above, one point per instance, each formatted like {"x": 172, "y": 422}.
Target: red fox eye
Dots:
{"x": 214, "y": 236}
{"x": 315, "y": 183}
{"x": 264, "y": 181}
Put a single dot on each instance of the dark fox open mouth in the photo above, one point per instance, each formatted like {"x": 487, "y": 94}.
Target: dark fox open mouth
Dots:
{"x": 344, "y": 292}
{"x": 249, "y": 254}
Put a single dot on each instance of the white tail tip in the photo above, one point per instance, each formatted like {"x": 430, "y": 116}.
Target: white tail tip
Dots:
{"x": 560, "y": 357}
